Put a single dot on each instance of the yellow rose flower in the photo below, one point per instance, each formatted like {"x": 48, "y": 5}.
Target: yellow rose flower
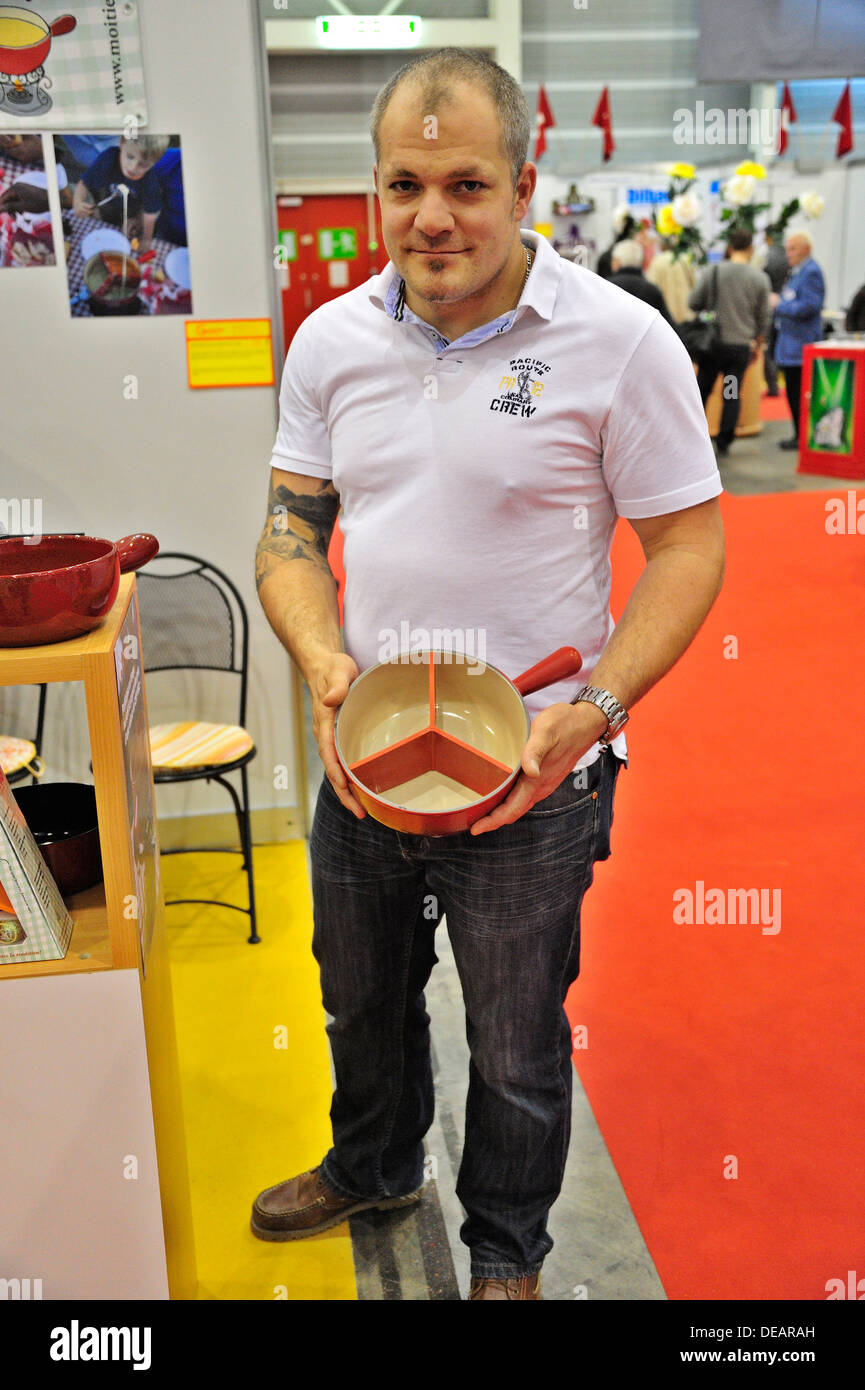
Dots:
{"x": 682, "y": 171}
{"x": 667, "y": 224}
{"x": 756, "y": 171}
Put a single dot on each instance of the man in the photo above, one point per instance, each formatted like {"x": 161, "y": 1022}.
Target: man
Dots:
{"x": 467, "y": 507}
{"x": 627, "y": 272}
{"x": 741, "y": 300}
{"x": 777, "y": 267}
{"x": 799, "y": 319}
{"x": 855, "y": 320}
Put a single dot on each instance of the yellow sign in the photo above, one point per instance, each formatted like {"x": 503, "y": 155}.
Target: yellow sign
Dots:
{"x": 229, "y": 352}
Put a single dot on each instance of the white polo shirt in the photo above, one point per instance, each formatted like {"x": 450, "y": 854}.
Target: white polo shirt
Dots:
{"x": 480, "y": 480}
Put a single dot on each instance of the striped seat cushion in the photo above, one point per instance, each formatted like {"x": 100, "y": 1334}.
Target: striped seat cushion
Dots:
{"x": 193, "y": 744}
{"x": 15, "y": 753}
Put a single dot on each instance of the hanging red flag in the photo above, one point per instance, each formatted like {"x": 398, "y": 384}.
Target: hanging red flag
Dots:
{"x": 603, "y": 117}
{"x": 788, "y": 118}
{"x": 543, "y": 118}
{"x": 843, "y": 116}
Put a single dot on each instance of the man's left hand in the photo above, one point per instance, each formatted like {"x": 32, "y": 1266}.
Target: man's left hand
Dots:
{"x": 559, "y": 736}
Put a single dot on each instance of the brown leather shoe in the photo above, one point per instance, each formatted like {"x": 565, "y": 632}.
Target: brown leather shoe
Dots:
{"x": 529, "y": 1286}
{"x": 305, "y": 1205}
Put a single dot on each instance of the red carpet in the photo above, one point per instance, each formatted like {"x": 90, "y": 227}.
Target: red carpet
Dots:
{"x": 715, "y": 1045}
{"x": 774, "y": 407}
{"x": 712, "y": 1043}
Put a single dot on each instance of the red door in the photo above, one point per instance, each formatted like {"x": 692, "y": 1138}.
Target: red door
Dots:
{"x": 313, "y": 278}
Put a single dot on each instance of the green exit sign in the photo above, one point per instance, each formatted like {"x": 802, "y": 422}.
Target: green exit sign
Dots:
{"x": 368, "y": 30}
{"x": 337, "y": 244}
{"x": 288, "y": 242}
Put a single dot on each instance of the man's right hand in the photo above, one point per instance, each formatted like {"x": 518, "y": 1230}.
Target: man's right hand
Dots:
{"x": 328, "y": 686}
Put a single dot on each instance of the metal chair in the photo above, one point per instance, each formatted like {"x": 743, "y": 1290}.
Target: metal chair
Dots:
{"x": 196, "y": 618}
{"x": 22, "y": 773}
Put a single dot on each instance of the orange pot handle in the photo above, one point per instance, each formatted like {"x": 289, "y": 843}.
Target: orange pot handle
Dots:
{"x": 556, "y": 667}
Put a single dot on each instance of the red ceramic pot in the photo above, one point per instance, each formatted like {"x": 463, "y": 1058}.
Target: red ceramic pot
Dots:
{"x": 62, "y": 586}
{"x": 24, "y": 58}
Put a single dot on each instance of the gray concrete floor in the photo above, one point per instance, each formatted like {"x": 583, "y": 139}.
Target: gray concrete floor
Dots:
{"x": 598, "y": 1252}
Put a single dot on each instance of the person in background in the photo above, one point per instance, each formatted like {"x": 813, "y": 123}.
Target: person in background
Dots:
{"x": 855, "y": 320}
{"x": 628, "y": 228}
{"x": 777, "y": 267}
{"x": 675, "y": 276}
{"x": 130, "y": 163}
{"x": 604, "y": 267}
{"x": 171, "y": 222}
{"x": 799, "y": 319}
{"x": 742, "y": 306}
{"x": 627, "y": 272}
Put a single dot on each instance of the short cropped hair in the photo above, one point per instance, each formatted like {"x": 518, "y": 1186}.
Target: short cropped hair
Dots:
{"x": 151, "y": 146}
{"x": 805, "y": 236}
{"x": 437, "y": 73}
{"x": 740, "y": 241}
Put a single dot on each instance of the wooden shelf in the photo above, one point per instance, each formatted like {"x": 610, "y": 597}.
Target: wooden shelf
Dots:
{"x": 118, "y": 925}
{"x": 89, "y": 946}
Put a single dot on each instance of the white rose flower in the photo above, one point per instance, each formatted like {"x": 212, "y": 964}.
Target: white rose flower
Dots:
{"x": 620, "y": 216}
{"x": 687, "y": 209}
{"x": 739, "y": 190}
{"x": 812, "y": 204}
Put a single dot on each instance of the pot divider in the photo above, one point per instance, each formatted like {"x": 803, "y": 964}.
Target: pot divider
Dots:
{"x": 431, "y": 750}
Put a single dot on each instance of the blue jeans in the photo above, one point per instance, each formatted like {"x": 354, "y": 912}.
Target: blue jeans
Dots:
{"x": 512, "y": 899}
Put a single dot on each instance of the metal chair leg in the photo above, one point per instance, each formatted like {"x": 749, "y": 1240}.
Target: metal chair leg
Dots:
{"x": 247, "y": 844}
{"x": 242, "y": 813}
{"x": 238, "y": 812}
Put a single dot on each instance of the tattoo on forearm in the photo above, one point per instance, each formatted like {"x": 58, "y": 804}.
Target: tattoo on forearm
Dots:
{"x": 298, "y": 527}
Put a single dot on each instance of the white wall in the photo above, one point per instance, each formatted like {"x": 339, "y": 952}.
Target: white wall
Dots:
{"x": 191, "y": 466}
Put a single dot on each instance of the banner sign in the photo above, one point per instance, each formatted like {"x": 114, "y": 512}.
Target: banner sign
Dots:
{"x": 830, "y": 413}
{"x": 71, "y": 65}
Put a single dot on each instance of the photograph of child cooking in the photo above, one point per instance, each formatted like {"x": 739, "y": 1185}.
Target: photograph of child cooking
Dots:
{"x": 125, "y": 232}
{"x": 129, "y": 164}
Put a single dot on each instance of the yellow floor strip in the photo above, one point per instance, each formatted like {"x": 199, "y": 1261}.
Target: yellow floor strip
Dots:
{"x": 255, "y": 1112}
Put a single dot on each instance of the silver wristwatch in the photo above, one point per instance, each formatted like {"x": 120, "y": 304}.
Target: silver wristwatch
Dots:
{"x": 617, "y": 715}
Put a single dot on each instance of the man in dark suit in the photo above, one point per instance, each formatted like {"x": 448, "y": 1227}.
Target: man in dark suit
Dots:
{"x": 626, "y": 260}
{"x": 799, "y": 316}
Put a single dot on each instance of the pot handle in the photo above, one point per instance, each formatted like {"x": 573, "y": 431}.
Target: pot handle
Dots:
{"x": 556, "y": 667}
{"x": 64, "y": 24}
{"x": 135, "y": 551}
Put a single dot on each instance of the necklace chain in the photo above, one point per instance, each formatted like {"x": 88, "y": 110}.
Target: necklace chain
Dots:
{"x": 529, "y": 259}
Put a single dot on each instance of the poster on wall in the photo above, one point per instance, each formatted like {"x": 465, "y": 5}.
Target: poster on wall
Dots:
{"x": 830, "y": 414}
{"x": 26, "y": 236}
{"x": 125, "y": 226}
{"x": 66, "y": 65}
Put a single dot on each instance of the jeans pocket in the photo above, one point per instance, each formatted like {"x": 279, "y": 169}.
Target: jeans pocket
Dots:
{"x": 572, "y": 794}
